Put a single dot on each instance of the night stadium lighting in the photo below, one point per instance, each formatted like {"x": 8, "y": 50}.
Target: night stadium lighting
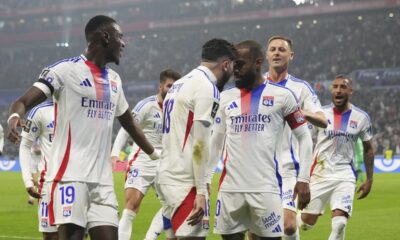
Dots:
{"x": 360, "y": 18}
{"x": 391, "y": 15}
{"x": 66, "y": 44}
{"x": 315, "y": 21}
{"x": 258, "y": 26}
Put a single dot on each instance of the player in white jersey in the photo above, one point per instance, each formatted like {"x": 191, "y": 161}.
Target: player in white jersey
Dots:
{"x": 333, "y": 176}
{"x": 251, "y": 118}
{"x": 38, "y": 126}
{"x": 141, "y": 169}
{"x": 189, "y": 110}
{"x": 87, "y": 96}
{"x": 279, "y": 53}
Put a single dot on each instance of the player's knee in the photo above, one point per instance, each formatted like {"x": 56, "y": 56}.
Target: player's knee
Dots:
{"x": 290, "y": 228}
{"x": 339, "y": 223}
{"x": 234, "y": 236}
{"x": 304, "y": 225}
{"x": 50, "y": 236}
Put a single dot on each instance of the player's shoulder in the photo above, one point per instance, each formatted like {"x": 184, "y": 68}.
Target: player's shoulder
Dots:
{"x": 301, "y": 83}
{"x": 229, "y": 93}
{"x": 113, "y": 75}
{"x": 146, "y": 102}
{"x": 278, "y": 89}
{"x": 360, "y": 112}
{"x": 65, "y": 63}
{"x": 44, "y": 106}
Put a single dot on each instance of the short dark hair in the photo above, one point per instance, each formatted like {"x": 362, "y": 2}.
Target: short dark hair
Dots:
{"x": 96, "y": 23}
{"x": 286, "y": 39}
{"x": 343, "y": 76}
{"x": 216, "y": 48}
{"x": 256, "y": 50}
{"x": 169, "y": 73}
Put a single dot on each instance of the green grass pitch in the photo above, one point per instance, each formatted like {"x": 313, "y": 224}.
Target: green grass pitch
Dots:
{"x": 375, "y": 218}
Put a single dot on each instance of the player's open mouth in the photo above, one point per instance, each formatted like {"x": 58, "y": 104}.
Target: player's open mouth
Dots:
{"x": 339, "y": 97}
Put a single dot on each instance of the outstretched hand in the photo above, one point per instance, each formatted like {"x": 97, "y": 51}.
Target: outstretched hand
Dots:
{"x": 365, "y": 188}
{"x": 198, "y": 210}
{"x": 12, "y": 131}
{"x": 302, "y": 191}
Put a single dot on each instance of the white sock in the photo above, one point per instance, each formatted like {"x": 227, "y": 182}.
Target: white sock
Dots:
{"x": 294, "y": 236}
{"x": 125, "y": 224}
{"x": 156, "y": 226}
{"x": 338, "y": 228}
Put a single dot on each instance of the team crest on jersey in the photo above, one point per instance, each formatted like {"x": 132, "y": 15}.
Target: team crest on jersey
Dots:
{"x": 27, "y": 127}
{"x": 67, "y": 211}
{"x": 114, "y": 87}
{"x": 268, "y": 101}
{"x": 353, "y": 124}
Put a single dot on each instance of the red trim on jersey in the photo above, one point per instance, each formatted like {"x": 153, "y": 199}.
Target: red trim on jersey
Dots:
{"x": 245, "y": 100}
{"x": 221, "y": 179}
{"x": 295, "y": 119}
{"x": 337, "y": 119}
{"x": 131, "y": 162}
{"x": 314, "y": 164}
{"x": 55, "y": 117}
{"x": 189, "y": 124}
{"x": 96, "y": 73}
{"x": 42, "y": 173}
{"x": 183, "y": 210}
{"x": 59, "y": 176}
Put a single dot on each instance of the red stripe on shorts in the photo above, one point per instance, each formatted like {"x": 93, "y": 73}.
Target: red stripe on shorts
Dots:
{"x": 183, "y": 210}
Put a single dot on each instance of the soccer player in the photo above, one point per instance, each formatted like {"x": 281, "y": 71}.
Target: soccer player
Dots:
{"x": 39, "y": 125}
{"x": 1, "y": 140}
{"x": 251, "y": 119}
{"x": 87, "y": 96}
{"x": 333, "y": 176}
{"x": 36, "y": 157}
{"x": 141, "y": 169}
{"x": 279, "y": 54}
{"x": 188, "y": 114}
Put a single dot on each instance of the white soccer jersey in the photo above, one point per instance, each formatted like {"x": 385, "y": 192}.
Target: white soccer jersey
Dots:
{"x": 182, "y": 106}
{"x": 148, "y": 114}
{"x": 334, "y": 154}
{"x": 308, "y": 101}
{"x": 40, "y": 125}
{"x": 86, "y": 100}
{"x": 253, "y": 122}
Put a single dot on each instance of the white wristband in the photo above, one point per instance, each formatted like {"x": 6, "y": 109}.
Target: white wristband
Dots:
{"x": 155, "y": 155}
{"x": 11, "y": 116}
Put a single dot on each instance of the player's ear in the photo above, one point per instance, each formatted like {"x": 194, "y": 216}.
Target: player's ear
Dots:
{"x": 291, "y": 55}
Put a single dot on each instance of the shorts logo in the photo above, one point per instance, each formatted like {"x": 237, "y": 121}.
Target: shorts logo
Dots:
{"x": 44, "y": 223}
{"x": 67, "y": 211}
{"x": 353, "y": 124}
{"x": 114, "y": 86}
{"x": 268, "y": 101}
{"x": 271, "y": 220}
{"x": 206, "y": 224}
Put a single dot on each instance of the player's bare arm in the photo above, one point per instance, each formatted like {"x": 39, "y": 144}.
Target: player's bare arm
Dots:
{"x": 317, "y": 119}
{"x": 135, "y": 132}
{"x": 365, "y": 188}
{"x": 31, "y": 98}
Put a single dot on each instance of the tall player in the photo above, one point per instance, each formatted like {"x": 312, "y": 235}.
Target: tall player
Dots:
{"x": 279, "y": 54}
{"x": 141, "y": 169}
{"x": 189, "y": 110}
{"x": 333, "y": 176}
{"x": 253, "y": 115}
{"x": 39, "y": 125}
{"x": 87, "y": 96}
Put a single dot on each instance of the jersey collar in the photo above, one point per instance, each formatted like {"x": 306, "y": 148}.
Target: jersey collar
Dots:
{"x": 282, "y": 82}
{"x": 210, "y": 75}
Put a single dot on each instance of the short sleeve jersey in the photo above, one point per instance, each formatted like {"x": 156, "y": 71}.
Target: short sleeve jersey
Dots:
{"x": 253, "y": 122}
{"x": 86, "y": 100}
{"x": 308, "y": 101}
{"x": 148, "y": 113}
{"x": 334, "y": 154}
{"x": 40, "y": 125}
{"x": 192, "y": 98}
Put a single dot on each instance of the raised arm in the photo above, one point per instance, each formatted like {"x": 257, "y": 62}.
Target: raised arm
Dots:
{"x": 317, "y": 119}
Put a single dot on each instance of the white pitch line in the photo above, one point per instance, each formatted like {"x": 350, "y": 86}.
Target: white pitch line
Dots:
{"x": 17, "y": 237}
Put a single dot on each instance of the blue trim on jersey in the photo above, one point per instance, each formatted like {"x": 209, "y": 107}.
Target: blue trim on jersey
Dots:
{"x": 278, "y": 176}
{"x": 294, "y": 160}
{"x": 345, "y": 120}
{"x": 166, "y": 223}
{"x": 142, "y": 103}
{"x": 294, "y": 95}
{"x": 282, "y": 83}
{"x": 106, "y": 87}
{"x": 216, "y": 91}
{"x": 294, "y": 79}
{"x": 36, "y": 108}
{"x": 353, "y": 169}
{"x": 73, "y": 59}
{"x": 362, "y": 111}
{"x": 255, "y": 98}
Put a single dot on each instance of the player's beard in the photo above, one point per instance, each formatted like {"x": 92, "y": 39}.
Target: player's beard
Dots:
{"x": 223, "y": 80}
{"x": 343, "y": 103}
{"x": 246, "y": 80}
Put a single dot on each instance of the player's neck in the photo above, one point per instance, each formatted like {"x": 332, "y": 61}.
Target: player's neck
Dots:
{"x": 276, "y": 76}
{"x": 96, "y": 57}
{"x": 343, "y": 108}
{"x": 260, "y": 80}
{"x": 159, "y": 98}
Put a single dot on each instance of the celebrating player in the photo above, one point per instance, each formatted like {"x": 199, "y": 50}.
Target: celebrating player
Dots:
{"x": 188, "y": 114}
{"x": 141, "y": 169}
{"x": 87, "y": 96}
{"x": 333, "y": 176}
{"x": 251, "y": 119}
{"x": 279, "y": 54}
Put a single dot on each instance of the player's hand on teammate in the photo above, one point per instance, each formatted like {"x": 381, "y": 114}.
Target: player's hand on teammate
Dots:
{"x": 364, "y": 189}
{"x": 32, "y": 192}
{"x": 12, "y": 132}
{"x": 302, "y": 192}
{"x": 198, "y": 210}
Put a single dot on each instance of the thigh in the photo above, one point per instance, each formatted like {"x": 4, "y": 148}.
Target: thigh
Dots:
{"x": 266, "y": 214}
{"x": 320, "y": 195}
{"x": 231, "y": 214}
{"x": 69, "y": 203}
{"x": 103, "y": 206}
{"x": 343, "y": 196}
{"x": 288, "y": 184}
{"x": 103, "y": 233}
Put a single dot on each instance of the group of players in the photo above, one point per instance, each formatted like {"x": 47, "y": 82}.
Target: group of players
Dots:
{"x": 262, "y": 127}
